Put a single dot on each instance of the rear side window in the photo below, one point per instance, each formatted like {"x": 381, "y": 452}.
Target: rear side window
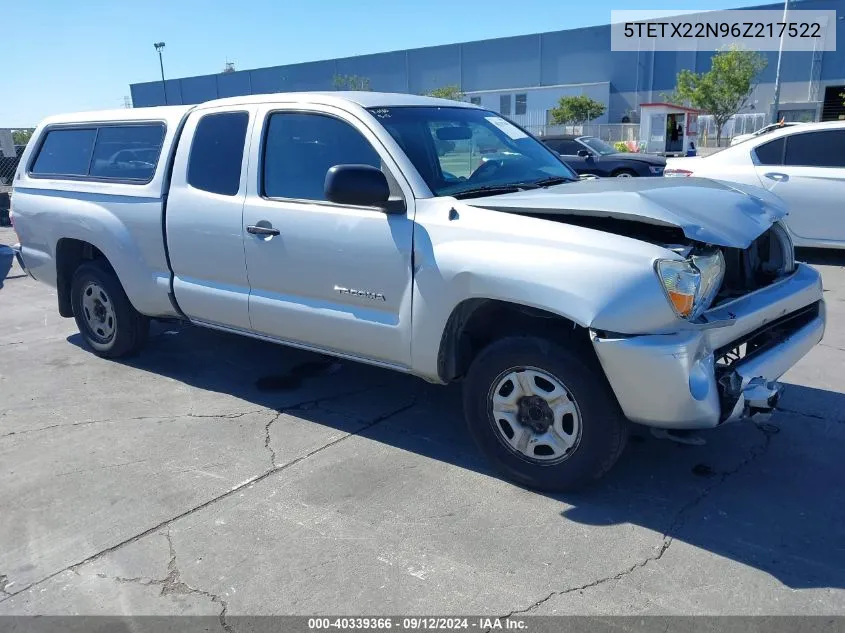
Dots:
{"x": 65, "y": 153}
{"x": 114, "y": 152}
{"x": 127, "y": 153}
{"x": 217, "y": 153}
{"x": 825, "y": 148}
{"x": 770, "y": 153}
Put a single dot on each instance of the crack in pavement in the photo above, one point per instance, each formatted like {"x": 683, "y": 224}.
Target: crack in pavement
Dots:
{"x": 268, "y": 444}
{"x": 221, "y": 416}
{"x": 249, "y": 482}
{"x": 306, "y": 404}
{"x": 172, "y": 583}
{"x": 677, "y": 523}
{"x": 814, "y": 416}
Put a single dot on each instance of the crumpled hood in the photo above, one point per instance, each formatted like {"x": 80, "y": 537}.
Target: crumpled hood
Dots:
{"x": 711, "y": 211}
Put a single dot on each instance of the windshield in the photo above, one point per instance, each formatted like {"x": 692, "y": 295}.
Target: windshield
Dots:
{"x": 598, "y": 145}
{"x": 463, "y": 150}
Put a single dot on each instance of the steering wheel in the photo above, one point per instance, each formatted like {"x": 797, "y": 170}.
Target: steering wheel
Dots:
{"x": 486, "y": 169}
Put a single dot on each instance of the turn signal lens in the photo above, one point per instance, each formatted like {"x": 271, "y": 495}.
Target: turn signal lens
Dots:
{"x": 681, "y": 282}
{"x": 692, "y": 284}
{"x": 682, "y": 303}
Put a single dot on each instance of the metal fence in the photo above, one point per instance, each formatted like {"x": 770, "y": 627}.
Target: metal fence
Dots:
{"x": 12, "y": 144}
{"x": 610, "y": 132}
{"x": 629, "y": 133}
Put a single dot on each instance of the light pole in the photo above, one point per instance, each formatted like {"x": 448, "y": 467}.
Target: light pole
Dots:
{"x": 159, "y": 46}
{"x": 776, "y": 99}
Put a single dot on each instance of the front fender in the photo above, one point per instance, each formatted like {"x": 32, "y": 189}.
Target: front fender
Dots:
{"x": 596, "y": 279}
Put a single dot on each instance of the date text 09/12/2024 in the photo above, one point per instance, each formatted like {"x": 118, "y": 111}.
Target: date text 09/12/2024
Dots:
{"x": 483, "y": 623}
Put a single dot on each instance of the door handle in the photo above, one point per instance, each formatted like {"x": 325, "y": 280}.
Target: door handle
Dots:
{"x": 772, "y": 175}
{"x": 262, "y": 230}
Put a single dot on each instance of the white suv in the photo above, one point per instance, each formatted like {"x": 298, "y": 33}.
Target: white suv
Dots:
{"x": 803, "y": 164}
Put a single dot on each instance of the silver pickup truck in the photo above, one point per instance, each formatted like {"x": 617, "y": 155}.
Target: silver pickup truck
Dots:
{"x": 430, "y": 237}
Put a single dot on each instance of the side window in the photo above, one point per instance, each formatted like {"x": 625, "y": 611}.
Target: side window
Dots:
{"x": 553, "y": 144}
{"x": 770, "y": 153}
{"x": 217, "y": 152}
{"x": 65, "y": 153}
{"x": 475, "y": 100}
{"x": 824, "y": 148}
{"x": 127, "y": 152}
{"x": 301, "y": 148}
{"x": 569, "y": 147}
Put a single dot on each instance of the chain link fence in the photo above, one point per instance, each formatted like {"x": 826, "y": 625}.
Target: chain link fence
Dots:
{"x": 629, "y": 133}
{"x": 12, "y": 143}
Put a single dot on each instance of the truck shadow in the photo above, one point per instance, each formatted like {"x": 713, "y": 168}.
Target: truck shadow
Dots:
{"x": 770, "y": 497}
{"x": 7, "y": 258}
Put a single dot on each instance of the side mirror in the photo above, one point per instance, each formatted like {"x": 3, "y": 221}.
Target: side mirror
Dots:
{"x": 584, "y": 153}
{"x": 359, "y": 185}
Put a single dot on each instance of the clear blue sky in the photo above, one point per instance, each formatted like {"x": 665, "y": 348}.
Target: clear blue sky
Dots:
{"x": 62, "y": 56}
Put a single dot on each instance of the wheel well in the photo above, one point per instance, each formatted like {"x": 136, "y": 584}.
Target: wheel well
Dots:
{"x": 627, "y": 170}
{"x": 70, "y": 253}
{"x": 475, "y": 323}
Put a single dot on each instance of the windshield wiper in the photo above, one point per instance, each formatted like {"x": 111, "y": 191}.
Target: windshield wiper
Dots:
{"x": 489, "y": 190}
{"x": 552, "y": 180}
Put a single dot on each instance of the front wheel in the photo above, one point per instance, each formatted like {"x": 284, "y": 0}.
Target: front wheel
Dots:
{"x": 108, "y": 322}
{"x": 544, "y": 417}
{"x": 625, "y": 173}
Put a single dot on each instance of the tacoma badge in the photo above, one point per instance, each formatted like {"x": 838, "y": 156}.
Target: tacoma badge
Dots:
{"x": 375, "y": 296}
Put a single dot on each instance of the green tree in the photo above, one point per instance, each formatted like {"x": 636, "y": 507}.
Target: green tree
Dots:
{"x": 452, "y": 92}
{"x": 577, "y": 109}
{"x": 351, "y": 82}
{"x": 21, "y": 137}
{"x": 723, "y": 90}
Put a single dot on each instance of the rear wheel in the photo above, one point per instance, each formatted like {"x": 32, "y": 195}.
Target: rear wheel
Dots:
{"x": 106, "y": 319}
{"x": 544, "y": 417}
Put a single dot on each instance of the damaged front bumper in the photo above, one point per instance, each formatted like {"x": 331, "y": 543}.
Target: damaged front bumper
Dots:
{"x": 723, "y": 369}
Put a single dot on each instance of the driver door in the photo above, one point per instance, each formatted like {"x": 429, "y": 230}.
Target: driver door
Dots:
{"x": 325, "y": 275}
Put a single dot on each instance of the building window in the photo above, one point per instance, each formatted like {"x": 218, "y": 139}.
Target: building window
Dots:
{"x": 475, "y": 100}
{"x": 521, "y": 104}
{"x": 505, "y": 104}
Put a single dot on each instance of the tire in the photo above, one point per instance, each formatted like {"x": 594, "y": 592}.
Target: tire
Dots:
{"x": 624, "y": 173}
{"x": 595, "y": 428}
{"x": 108, "y": 323}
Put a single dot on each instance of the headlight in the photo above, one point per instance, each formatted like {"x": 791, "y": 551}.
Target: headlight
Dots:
{"x": 692, "y": 284}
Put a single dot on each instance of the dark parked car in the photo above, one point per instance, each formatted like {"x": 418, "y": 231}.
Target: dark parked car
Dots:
{"x": 591, "y": 155}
